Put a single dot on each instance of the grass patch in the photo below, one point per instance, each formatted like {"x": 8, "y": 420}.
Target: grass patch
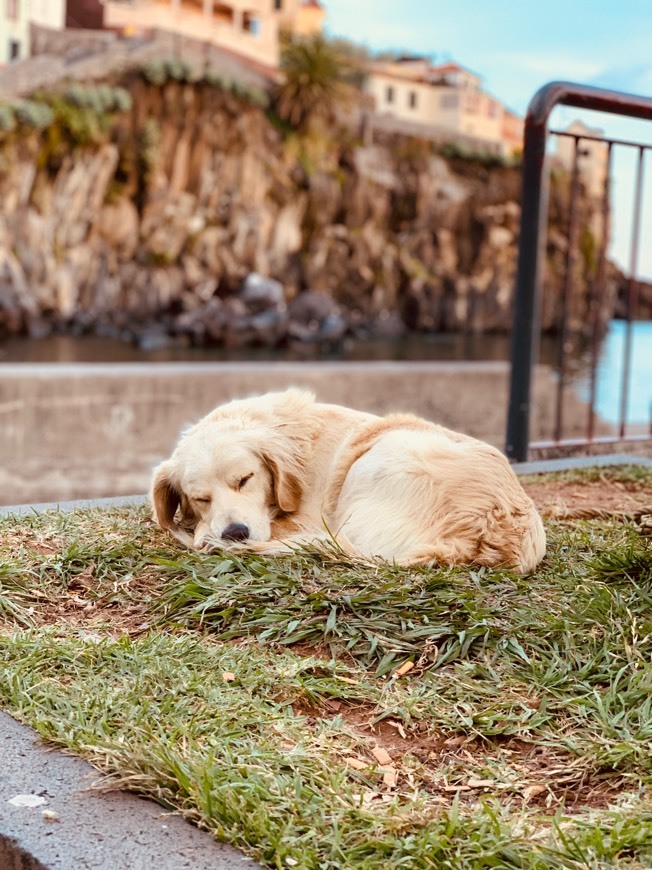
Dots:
{"x": 316, "y": 713}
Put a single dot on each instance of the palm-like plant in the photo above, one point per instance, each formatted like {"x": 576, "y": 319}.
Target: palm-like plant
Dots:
{"x": 315, "y": 81}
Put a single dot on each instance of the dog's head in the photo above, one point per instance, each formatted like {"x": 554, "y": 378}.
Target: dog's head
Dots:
{"x": 229, "y": 477}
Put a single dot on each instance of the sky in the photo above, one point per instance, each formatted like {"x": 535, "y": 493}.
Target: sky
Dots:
{"x": 517, "y": 46}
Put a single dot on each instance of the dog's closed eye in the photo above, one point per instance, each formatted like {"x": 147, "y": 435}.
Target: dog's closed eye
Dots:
{"x": 243, "y": 480}
{"x": 206, "y": 499}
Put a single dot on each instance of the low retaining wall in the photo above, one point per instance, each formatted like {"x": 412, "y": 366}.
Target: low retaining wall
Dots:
{"x": 90, "y": 431}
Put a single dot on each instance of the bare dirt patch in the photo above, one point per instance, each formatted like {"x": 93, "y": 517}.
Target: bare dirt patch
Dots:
{"x": 461, "y": 766}
{"x": 595, "y": 498}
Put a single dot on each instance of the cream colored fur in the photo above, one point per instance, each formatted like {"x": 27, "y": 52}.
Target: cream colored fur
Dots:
{"x": 291, "y": 470}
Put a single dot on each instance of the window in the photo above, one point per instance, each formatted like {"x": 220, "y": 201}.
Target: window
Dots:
{"x": 412, "y": 99}
{"x": 448, "y": 101}
{"x": 389, "y": 94}
{"x": 472, "y": 105}
{"x": 13, "y": 9}
{"x": 278, "y": 5}
{"x": 251, "y": 23}
{"x": 14, "y": 49}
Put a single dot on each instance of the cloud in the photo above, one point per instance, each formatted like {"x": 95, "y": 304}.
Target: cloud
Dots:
{"x": 636, "y": 79}
{"x": 546, "y": 65}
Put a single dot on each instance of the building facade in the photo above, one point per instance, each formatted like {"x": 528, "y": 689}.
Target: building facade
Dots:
{"x": 248, "y": 27}
{"x": 14, "y": 30}
{"x": 446, "y": 101}
{"x": 48, "y": 13}
{"x": 592, "y": 156}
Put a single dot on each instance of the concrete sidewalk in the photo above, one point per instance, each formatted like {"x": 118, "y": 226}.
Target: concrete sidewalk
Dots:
{"x": 113, "y": 831}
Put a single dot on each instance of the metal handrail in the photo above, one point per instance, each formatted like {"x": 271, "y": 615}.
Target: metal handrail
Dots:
{"x": 534, "y": 209}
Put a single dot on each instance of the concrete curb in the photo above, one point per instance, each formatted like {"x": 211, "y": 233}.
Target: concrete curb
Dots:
{"x": 118, "y": 831}
{"x": 111, "y": 831}
{"x": 543, "y": 466}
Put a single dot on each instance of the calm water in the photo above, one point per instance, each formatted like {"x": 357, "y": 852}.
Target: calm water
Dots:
{"x": 610, "y": 371}
{"x": 65, "y": 349}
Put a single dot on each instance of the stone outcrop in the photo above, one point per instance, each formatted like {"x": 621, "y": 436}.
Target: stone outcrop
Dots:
{"x": 156, "y": 229}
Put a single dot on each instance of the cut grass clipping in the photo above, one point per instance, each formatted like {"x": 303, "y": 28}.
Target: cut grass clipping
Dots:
{"x": 317, "y": 713}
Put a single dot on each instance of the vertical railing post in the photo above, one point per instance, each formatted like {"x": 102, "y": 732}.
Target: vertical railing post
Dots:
{"x": 632, "y": 292}
{"x": 525, "y": 328}
{"x": 567, "y": 291}
{"x": 597, "y": 299}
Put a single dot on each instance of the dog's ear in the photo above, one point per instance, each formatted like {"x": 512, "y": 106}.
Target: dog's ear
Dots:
{"x": 166, "y": 496}
{"x": 285, "y": 481}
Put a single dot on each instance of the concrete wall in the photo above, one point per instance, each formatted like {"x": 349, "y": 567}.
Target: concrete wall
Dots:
{"x": 86, "y": 431}
{"x": 70, "y": 43}
{"x": 91, "y": 55}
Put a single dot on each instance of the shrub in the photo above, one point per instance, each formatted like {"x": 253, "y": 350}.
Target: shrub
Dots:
{"x": 102, "y": 99}
{"x": 7, "y": 119}
{"x": 34, "y": 114}
{"x": 159, "y": 72}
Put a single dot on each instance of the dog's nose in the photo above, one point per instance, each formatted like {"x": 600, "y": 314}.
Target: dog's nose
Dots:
{"x": 236, "y": 532}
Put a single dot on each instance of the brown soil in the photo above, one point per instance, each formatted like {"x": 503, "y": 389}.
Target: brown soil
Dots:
{"x": 537, "y": 775}
{"x": 602, "y": 497}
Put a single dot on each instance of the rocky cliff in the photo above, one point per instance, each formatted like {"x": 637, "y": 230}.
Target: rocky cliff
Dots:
{"x": 162, "y": 213}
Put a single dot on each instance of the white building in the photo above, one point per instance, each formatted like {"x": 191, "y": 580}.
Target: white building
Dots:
{"x": 14, "y": 30}
{"x": 592, "y": 155}
{"x": 48, "y": 13}
{"x": 444, "y": 100}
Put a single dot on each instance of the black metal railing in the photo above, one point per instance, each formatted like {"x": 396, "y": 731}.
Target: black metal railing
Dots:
{"x": 534, "y": 220}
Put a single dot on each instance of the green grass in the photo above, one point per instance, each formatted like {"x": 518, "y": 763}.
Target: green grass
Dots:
{"x": 250, "y": 693}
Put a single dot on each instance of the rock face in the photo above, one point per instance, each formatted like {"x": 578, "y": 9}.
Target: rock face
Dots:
{"x": 195, "y": 216}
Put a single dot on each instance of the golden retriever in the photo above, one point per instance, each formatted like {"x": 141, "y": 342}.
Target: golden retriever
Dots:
{"x": 281, "y": 470}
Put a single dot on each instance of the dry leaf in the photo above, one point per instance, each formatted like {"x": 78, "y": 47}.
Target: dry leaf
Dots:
{"x": 405, "y": 668}
{"x": 390, "y": 776}
{"x": 399, "y": 727}
{"x": 369, "y": 796}
{"x": 481, "y": 783}
{"x": 347, "y": 680}
{"x": 382, "y": 756}
{"x": 50, "y": 816}
{"x": 455, "y": 741}
{"x": 228, "y": 677}
{"x": 356, "y": 764}
{"x": 550, "y": 799}
{"x": 532, "y": 791}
